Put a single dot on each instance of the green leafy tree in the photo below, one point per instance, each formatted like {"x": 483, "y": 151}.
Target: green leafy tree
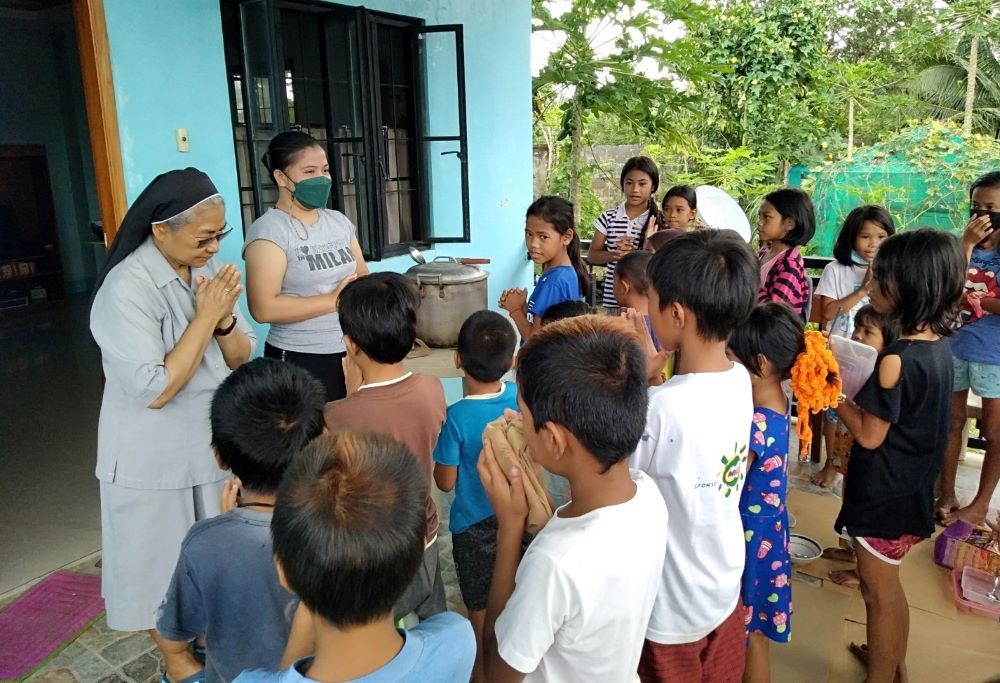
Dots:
{"x": 766, "y": 101}
{"x": 965, "y": 80}
{"x": 597, "y": 69}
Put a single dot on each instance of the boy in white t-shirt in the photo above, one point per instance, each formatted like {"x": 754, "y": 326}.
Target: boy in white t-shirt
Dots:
{"x": 704, "y": 284}
{"x": 576, "y": 607}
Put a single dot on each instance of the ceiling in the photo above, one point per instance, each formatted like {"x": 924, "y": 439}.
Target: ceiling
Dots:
{"x": 32, "y": 5}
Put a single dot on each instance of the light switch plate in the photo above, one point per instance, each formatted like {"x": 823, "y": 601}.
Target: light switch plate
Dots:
{"x": 183, "y": 145}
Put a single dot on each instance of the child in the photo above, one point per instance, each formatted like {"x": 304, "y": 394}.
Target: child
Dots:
{"x": 704, "y": 285}
{"x": 878, "y": 331}
{"x": 485, "y": 353}
{"x": 899, "y": 420}
{"x": 623, "y": 228}
{"x": 632, "y": 288}
{"x": 976, "y": 352}
{"x": 680, "y": 207}
{"x": 843, "y": 289}
{"x": 554, "y": 244}
{"x": 378, "y": 314}
{"x": 262, "y": 415}
{"x": 567, "y": 309}
{"x": 786, "y": 221}
{"x": 348, "y": 537}
{"x": 587, "y": 583}
{"x": 767, "y": 345}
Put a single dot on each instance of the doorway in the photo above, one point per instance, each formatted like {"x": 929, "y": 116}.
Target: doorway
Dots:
{"x": 50, "y": 370}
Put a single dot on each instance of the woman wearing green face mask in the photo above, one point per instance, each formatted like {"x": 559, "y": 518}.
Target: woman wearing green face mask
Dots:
{"x": 299, "y": 257}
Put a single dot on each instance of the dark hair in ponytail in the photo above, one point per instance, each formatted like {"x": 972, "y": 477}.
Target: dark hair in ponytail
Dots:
{"x": 685, "y": 192}
{"x": 648, "y": 166}
{"x": 285, "y": 148}
{"x": 559, "y": 213}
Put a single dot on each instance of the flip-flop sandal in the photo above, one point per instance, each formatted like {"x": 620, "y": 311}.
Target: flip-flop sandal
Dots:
{"x": 848, "y": 578}
{"x": 860, "y": 651}
{"x": 839, "y": 555}
{"x": 419, "y": 350}
{"x": 198, "y": 677}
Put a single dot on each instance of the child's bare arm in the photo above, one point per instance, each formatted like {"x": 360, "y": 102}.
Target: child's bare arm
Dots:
{"x": 301, "y": 639}
{"x": 445, "y": 476}
{"x": 511, "y": 506}
{"x": 177, "y": 657}
{"x": 869, "y": 431}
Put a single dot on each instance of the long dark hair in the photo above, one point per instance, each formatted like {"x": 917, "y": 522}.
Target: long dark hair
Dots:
{"x": 285, "y": 147}
{"x": 648, "y": 166}
{"x": 922, "y": 274}
{"x": 852, "y": 226}
{"x": 559, "y": 213}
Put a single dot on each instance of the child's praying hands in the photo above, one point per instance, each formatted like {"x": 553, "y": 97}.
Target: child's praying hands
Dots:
{"x": 504, "y": 489}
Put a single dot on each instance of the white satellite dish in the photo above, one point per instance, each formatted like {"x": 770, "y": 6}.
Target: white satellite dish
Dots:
{"x": 720, "y": 211}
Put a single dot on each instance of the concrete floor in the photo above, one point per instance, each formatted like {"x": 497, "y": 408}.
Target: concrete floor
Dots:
{"x": 50, "y": 371}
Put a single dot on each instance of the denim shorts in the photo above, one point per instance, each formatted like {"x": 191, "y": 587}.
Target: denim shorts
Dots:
{"x": 982, "y": 378}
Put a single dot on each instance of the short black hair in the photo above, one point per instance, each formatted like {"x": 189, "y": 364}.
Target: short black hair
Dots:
{"x": 379, "y": 313}
{"x": 564, "y": 310}
{"x": 991, "y": 179}
{"x": 883, "y": 321}
{"x": 713, "y": 273}
{"x": 486, "y": 344}
{"x": 587, "y": 374}
{"x": 793, "y": 203}
{"x": 632, "y": 267}
{"x": 858, "y": 216}
{"x": 773, "y": 330}
{"x": 262, "y": 415}
{"x": 922, "y": 274}
{"x": 685, "y": 192}
{"x": 349, "y": 525}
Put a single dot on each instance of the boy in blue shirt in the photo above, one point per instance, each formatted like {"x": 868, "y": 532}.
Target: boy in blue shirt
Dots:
{"x": 225, "y": 585}
{"x": 485, "y": 353}
{"x": 348, "y": 536}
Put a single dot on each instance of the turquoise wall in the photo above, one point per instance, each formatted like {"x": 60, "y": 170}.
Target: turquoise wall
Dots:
{"x": 41, "y": 103}
{"x": 169, "y": 72}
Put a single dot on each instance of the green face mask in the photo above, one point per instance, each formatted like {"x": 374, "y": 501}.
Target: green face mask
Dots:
{"x": 313, "y": 193}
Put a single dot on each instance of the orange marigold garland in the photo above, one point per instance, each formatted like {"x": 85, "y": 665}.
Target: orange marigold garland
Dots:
{"x": 815, "y": 383}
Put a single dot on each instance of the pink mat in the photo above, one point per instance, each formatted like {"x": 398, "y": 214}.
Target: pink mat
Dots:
{"x": 39, "y": 622}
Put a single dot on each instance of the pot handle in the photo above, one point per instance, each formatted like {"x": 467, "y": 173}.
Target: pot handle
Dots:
{"x": 474, "y": 261}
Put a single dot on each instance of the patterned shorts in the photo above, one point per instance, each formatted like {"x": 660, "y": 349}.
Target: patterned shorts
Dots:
{"x": 982, "y": 378}
{"x": 891, "y": 550}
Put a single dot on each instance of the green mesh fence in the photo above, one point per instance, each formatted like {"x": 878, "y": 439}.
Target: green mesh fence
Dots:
{"x": 922, "y": 176}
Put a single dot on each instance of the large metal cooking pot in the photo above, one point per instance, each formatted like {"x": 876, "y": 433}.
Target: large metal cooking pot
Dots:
{"x": 450, "y": 291}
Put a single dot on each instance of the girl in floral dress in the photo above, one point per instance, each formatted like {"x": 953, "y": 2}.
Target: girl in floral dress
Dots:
{"x": 768, "y": 345}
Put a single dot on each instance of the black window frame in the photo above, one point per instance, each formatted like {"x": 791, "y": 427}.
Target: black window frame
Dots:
{"x": 251, "y": 180}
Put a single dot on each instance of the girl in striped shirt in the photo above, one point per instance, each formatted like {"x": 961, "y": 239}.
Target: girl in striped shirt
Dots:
{"x": 623, "y": 229}
{"x": 786, "y": 221}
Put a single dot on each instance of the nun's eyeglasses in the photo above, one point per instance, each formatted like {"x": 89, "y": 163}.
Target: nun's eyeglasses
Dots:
{"x": 205, "y": 241}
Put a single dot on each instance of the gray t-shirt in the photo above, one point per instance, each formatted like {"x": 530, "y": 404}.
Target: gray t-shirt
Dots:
{"x": 319, "y": 257}
{"x": 226, "y": 587}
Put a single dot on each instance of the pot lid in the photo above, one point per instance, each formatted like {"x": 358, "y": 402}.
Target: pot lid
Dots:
{"x": 446, "y": 271}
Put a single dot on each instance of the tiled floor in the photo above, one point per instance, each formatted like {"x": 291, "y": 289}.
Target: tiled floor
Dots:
{"x": 51, "y": 519}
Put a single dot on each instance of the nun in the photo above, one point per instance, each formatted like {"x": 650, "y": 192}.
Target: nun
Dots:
{"x": 166, "y": 317}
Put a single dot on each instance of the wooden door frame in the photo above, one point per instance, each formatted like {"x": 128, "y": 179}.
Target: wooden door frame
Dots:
{"x": 102, "y": 114}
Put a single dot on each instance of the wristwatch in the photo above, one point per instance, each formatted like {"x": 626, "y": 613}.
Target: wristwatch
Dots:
{"x": 223, "y": 331}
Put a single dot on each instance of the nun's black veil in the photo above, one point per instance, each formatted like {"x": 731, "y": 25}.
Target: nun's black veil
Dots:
{"x": 169, "y": 194}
